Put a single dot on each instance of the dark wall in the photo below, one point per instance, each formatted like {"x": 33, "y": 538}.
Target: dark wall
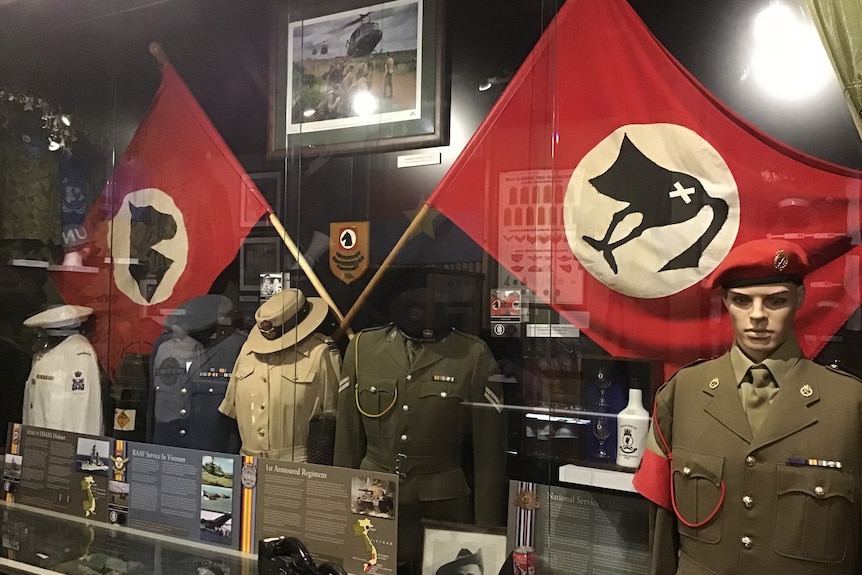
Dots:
{"x": 91, "y": 58}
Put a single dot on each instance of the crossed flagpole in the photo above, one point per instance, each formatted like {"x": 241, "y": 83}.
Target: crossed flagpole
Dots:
{"x": 162, "y": 58}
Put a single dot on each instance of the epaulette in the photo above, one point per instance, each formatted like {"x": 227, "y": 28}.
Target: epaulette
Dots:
{"x": 377, "y": 328}
{"x": 839, "y": 371}
{"x": 688, "y": 365}
{"x": 469, "y": 336}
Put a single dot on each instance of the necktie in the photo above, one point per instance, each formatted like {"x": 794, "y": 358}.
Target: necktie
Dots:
{"x": 758, "y": 388}
{"x": 412, "y": 349}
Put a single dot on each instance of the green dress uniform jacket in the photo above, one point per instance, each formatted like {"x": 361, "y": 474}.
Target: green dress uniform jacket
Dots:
{"x": 411, "y": 419}
{"x": 784, "y": 500}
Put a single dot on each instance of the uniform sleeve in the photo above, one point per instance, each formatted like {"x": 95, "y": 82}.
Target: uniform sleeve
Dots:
{"x": 332, "y": 374}
{"x": 663, "y": 541}
{"x": 25, "y": 416}
{"x": 228, "y": 404}
{"x": 349, "y": 434}
{"x": 488, "y": 433}
{"x": 652, "y": 480}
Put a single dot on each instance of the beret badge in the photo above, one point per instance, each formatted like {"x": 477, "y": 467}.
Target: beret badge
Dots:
{"x": 780, "y": 260}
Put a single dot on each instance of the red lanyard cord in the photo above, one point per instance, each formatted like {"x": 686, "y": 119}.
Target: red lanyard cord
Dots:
{"x": 669, "y": 455}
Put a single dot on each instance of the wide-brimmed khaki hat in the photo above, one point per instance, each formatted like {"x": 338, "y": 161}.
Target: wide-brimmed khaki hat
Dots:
{"x": 60, "y": 317}
{"x": 284, "y": 319}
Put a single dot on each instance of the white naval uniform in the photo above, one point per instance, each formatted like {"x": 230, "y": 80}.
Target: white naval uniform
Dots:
{"x": 64, "y": 390}
{"x": 273, "y": 396}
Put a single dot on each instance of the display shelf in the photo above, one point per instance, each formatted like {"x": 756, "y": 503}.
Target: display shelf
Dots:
{"x": 38, "y": 541}
{"x": 73, "y": 269}
{"x": 24, "y": 263}
{"x": 596, "y": 477}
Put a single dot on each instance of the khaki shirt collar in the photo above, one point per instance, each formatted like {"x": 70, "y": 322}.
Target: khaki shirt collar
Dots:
{"x": 779, "y": 362}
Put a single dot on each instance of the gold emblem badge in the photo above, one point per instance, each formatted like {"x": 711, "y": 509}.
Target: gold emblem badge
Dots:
{"x": 119, "y": 463}
{"x": 527, "y": 500}
{"x": 780, "y": 260}
{"x": 713, "y": 383}
{"x": 806, "y": 390}
{"x": 349, "y": 247}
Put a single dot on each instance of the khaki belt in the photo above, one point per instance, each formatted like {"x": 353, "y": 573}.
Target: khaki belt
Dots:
{"x": 402, "y": 464}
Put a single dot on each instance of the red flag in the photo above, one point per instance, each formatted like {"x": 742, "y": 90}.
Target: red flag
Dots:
{"x": 610, "y": 182}
{"x": 173, "y": 216}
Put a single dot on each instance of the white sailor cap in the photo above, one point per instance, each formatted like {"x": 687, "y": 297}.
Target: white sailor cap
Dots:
{"x": 59, "y": 317}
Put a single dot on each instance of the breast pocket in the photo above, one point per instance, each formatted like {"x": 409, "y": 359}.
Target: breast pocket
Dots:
{"x": 698, "y": 494}
{"x": 375, "y": 399}
{"x": 299, "y": 393}
{"x": 440, "y": 411}
{"x": 814, "y": 513}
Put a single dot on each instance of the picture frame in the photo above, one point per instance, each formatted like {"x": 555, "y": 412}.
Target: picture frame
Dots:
{"x": 444, "y": 541}
{"x": 257, "y": 256}
{"x": 350, "y": 76}
{"x": 272, "y": 190}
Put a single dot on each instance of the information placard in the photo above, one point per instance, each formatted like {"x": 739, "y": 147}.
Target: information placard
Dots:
{"x": 183, "y": 492}
{"x": 346, "y": 516}
{"x": 580, "y": 532}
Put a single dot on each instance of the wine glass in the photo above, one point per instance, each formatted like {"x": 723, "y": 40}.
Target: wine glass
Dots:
{"x": 603, "y": 382}
{"x": 601, "y": 431}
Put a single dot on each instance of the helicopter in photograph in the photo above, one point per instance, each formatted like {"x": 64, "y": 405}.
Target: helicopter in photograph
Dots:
{"x": 364, "y": 39}
{"x": 361, "y": 42}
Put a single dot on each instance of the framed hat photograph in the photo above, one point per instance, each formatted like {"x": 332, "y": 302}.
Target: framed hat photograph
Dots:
{"x": 452, "y": 548}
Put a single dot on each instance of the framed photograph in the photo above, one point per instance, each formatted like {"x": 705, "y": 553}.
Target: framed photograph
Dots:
{"x": 257, "y": 256}
{"x": 351, "y": 76}
{"x": 269, "y": 184}
{"x": 450, "y": 547}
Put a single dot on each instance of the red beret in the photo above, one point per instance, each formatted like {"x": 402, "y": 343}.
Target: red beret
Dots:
{"x": 760, "y": 262}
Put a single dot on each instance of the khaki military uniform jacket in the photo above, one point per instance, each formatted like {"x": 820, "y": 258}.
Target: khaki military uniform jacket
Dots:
{"x": 411, "y": 419}
{"x": 273, "y": 396}
{"x": 754, "y": 503}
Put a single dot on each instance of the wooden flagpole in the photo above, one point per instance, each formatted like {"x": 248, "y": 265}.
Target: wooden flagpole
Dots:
{"x": 344, "y": 327}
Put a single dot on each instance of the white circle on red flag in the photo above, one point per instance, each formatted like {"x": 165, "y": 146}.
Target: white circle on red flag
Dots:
{"x": 174, "y": 248}
{"x": 641, "y": 230}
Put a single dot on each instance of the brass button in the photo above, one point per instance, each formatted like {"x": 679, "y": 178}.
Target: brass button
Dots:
{"x": 404, "y": 438}
{"x": 444, "y": 395}
{"x": 261, "y": 432}
{"x": 372, "y": 389}
{"x": 748, "y": 502}
{"x": 211, "y": 390}
{"x": 819, "y": 492}
{"x": 182, "y": 432}
{"x": 405, "y": 408}
{"x": 409, "y": 377}
{"x": 184, "y": 391}
{"x": 747, "y": 542}
{"x": 183, "y": 411}
{"x": 686, "y": 471}
{"x": 750, "y": 461}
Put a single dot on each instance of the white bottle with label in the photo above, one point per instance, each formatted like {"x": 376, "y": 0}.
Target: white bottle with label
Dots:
{"x": 632, "y": 429}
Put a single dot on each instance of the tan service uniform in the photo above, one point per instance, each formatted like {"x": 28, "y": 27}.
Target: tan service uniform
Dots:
{"x": 788, "y": 507}
{"x": 273, "y": 396}
{"x": 409, "y": 418}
